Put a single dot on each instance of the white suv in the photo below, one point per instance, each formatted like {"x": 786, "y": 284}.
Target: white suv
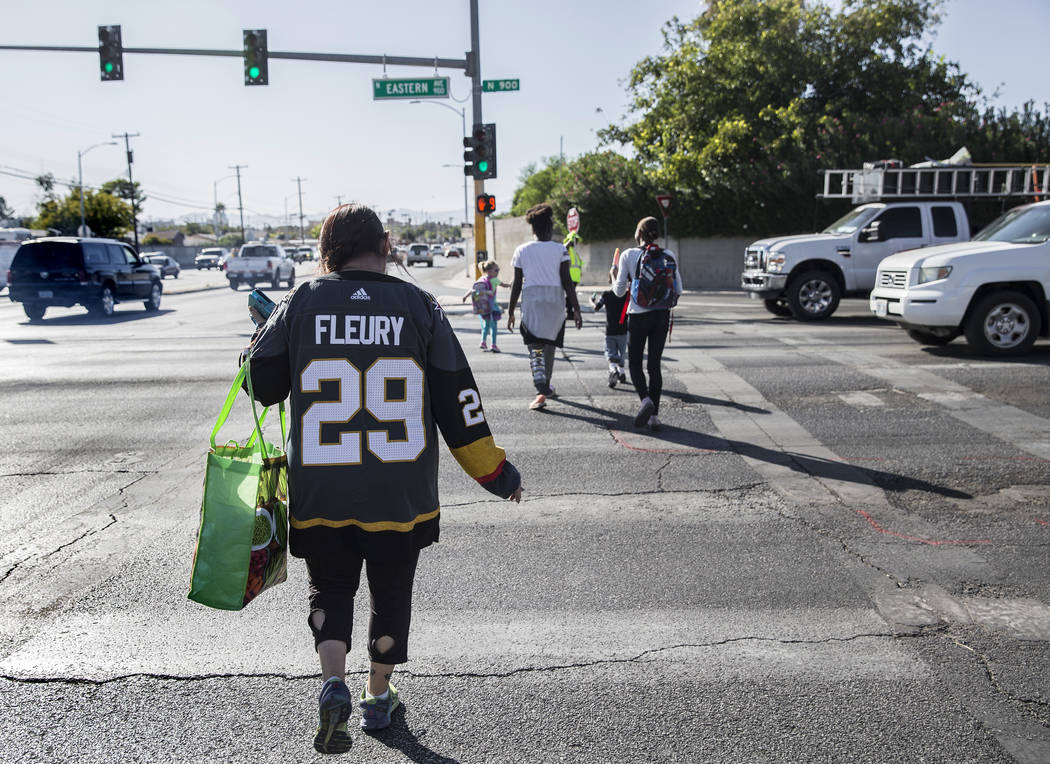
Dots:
{"x": 992, "y": 289}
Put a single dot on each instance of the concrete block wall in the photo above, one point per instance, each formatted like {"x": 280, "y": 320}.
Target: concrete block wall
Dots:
{"x": 707, "y": 263}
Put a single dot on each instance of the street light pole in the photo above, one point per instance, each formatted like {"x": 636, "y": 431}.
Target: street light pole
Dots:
{"x": 463, "y": 116}
{"x": 215, "y": 209}
{"x": 240, "y": 199}
{"x": 80, "y": 181}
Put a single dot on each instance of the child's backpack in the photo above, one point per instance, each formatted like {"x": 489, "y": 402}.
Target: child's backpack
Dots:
{"x": 482, "y": 297}
{"x": 653, "y": 284}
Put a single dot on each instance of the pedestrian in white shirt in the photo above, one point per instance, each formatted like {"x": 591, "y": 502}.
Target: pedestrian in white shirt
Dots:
{"x": 542, "y": 281}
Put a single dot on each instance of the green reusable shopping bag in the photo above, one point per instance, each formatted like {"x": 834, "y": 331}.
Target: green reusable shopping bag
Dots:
{"x": 242, "y": 544}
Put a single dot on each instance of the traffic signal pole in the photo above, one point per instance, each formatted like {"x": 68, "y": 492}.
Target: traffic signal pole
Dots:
{"x": 474, "y": 70}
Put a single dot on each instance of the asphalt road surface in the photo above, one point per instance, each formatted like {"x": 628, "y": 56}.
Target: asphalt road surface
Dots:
{"x": 836, "y": 550}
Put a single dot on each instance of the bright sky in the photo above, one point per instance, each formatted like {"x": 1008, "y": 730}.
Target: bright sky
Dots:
{"x": 318, "y": 121}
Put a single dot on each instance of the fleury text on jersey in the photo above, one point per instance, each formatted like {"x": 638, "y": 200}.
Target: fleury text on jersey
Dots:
{"x": 357, "y": 330}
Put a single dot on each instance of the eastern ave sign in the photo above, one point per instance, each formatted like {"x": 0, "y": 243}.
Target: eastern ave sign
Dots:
{"x": 425, "y": 87}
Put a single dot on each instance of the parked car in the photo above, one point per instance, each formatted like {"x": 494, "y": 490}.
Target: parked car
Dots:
{"x": 992, "y": 289}
{"x": 166, "y": 265}
{"x": 10, "y": 240}
{"x": 805, "y": 275}
{"x": 259, "y": 261}
{"x": 211, "y": 257}
{"x": 66, "y": 270}
{"x": 420, "y": 253}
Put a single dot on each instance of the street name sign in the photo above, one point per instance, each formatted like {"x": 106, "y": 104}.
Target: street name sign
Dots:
{"x": 500, "y": 86}
{"x": 424, "y": 87}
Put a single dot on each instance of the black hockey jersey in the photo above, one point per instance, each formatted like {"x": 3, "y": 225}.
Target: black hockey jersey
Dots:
{"x": 373, "y": 369}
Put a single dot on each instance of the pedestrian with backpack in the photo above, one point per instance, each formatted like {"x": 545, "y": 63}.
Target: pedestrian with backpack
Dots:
{"x": 485, "y": 305}
{"x": 652, "y": 275}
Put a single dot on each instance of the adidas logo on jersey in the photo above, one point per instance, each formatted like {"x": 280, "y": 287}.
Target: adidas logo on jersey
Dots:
{"x": 360, "y": 294}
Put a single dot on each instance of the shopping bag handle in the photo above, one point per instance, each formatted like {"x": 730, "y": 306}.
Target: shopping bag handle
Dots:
{"x": 255, "y": 413}
{"x": 227, "y": 406}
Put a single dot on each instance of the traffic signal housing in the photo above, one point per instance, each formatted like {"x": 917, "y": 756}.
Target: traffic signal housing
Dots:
{"x": 480, "y": 156}
{"x": 485, "y": 204}
{"x": 256, "y": 58}
{"x": 110, "y": 53}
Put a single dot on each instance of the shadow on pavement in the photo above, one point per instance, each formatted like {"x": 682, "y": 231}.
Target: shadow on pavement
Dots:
{"x": 400, "y": 737}
{"x": 808, "y": 464}
{"x": 88, "y": 319}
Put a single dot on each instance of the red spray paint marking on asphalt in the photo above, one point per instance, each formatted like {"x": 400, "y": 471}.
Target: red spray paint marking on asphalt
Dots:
{"x": 618, "y": 437}
{"x": 1041, "y": 521}
{"x": 919, "y": 539}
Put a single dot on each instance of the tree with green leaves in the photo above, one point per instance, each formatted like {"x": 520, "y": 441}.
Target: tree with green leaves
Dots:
{"x": 752, "y": 98}
{"x": 126, "y": 190}
{"x": 6, "y": 213}
{"x": 105, "y": 214}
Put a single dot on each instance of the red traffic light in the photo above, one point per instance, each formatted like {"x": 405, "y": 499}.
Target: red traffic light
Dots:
{"x": 486, "y": 204}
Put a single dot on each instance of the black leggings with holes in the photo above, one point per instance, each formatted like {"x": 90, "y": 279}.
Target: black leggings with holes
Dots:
{"x": 334, "y": 579}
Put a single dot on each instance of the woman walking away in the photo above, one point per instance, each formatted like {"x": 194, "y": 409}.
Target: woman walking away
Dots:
{"x": 655, "y": 283}
{"x": 374, "y": 370}
{"x": 542, "y": 280}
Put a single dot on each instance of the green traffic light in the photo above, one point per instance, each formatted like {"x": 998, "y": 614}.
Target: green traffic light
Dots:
{"x": 253, "y": 72}
{"x": 483, "y": 166}
{"x": 109, "y": 67}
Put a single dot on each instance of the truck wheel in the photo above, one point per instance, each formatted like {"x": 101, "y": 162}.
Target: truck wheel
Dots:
{"x": 924, "y": 337}
{"x": 105, "y": 303}
{"x": 291, "y": 279}
{"x": 234, "y": 283}
{"x": 813, "y": 296}
{"x": 275, "y": 282}
{"x": 34, "y": 312}
{"x": 777, "y": 307}
{"x": 153, "y": 303}
{"x": 1003, "y": 323}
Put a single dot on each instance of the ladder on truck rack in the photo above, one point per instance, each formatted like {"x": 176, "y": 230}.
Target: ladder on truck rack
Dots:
{"x": 947, "y": 182}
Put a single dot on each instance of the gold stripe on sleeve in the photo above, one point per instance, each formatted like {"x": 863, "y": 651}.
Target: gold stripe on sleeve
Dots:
{"x": 480, "y": 458}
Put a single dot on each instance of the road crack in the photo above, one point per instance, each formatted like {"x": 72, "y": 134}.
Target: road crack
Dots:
{"x": 641, "y": 657}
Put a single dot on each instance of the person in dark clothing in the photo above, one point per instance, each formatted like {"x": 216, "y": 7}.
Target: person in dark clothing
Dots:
{"x": 615, "y": 331}
{"x": 647, "y": 326}
{"x": 373, "y": 370}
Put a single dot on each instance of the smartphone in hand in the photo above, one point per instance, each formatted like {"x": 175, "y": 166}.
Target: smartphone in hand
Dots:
{"x": 260, "y": 306}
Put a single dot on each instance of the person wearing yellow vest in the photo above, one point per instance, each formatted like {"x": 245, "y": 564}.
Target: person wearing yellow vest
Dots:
{"x": 575, "y": 267}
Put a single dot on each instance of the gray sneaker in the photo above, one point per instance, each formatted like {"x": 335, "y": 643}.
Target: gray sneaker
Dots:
{"x": 375, "y": 712}
{"x": 613, "y": 377}
{"x": 642, "y": 417}
{"x": 654, "y": 422}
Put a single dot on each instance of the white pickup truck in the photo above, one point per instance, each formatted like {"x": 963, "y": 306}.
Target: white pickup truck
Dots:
{"x": 260, "y": 262}
{"x": 805, "y": 276}
{"x": 992, "y": 289}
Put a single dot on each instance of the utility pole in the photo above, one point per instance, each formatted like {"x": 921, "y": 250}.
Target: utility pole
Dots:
{"x": 131, "y": 190}
{"x": 339, "y": 201}
{"x": 240, "y": 200}
{"x": 299, "y": 182}
{"x": 474, "y": 70}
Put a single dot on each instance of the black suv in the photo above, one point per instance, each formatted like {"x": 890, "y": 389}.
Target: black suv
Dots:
{"x": 67, "y": 271}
